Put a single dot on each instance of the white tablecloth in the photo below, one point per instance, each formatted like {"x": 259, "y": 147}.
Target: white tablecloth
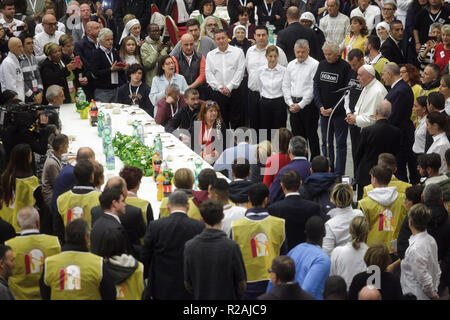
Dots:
{"x": 85, "y": 135}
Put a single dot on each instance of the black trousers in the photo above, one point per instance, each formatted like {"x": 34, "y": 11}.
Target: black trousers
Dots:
{"x": 231, "y": 108}
{"x": 406, "y": 160}
{"x": 355, "y": 131}
{"x": 305, "y": 123}
{"x": 272, "y": 114}
{"x": 253, "y": 109}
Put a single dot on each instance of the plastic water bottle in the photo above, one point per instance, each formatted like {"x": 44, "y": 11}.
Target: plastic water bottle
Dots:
{"x": 270, "y": 28}
{"x": 108, "y": 122}
{"x": 140, "y": 132}
{"x": 110, "y": 159}
{"x": 198, "y": 168}
{"x": 100, "y": 123}
{"x": 106, "y": 138}
{"x": 135, "y": 129}
{"x": 159, "y": 146}
{"x": 81, "y": 95}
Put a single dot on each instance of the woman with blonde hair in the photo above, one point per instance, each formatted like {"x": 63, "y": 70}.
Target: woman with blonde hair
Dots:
{"x": 348, "y": 260}
{"x": 337, "y": 228}
{"x": 263, "y": 152}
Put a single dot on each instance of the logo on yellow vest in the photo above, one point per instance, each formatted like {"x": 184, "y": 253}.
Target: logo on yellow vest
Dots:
{"x": 74, "y": 213}
{"x": 386, "y": 222}
{"x": 70, "y": 278}
{"x": 34, "y": 261}
{"x": 260, "y": 245}
{"x": 121, "y": 291}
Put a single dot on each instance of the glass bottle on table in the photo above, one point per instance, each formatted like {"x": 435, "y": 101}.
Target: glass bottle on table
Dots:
{"x": 110, "y": 158}
{"x": 100, "y": 123}
{"x": 198, "y": 168}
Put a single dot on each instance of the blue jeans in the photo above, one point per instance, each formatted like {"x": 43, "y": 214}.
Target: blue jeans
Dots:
{"x": 105, "y": 95}
{"x": 338, "y": 128}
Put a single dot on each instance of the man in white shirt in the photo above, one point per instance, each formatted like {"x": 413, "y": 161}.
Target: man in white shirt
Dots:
{"x": 420, "y": 271}
{"x": 8, "y": 21}
{"x": 371, "y": 95}
{"x": 255, "y": 59}
{"x": 371, "y": 13}
{"x": 60, "y": 26}
{"x": 298, "y": 91}
{"x": 219, "y": 190}
{"x": 11, "y": 76}
{"x": 224, "y": 70}
{"x": 335, "y": 25}
{"x": 50, "y": 34}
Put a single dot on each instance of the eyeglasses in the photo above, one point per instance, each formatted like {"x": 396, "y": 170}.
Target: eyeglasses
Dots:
{"x": 210, "y": 104}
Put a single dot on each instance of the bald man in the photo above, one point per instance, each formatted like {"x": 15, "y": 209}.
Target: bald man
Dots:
{"x": 369, "y": 293}
{"x": 189, "y": 63}
{"x": 65, "y": 179}
{"x": 373, "y": 92}
{"x": 132, "y": 220}
{"x": 11, "y": 76}
{"x": 402, "y": 99}
{"x": 50, "y": 34}
{"x": 85, "y": 48}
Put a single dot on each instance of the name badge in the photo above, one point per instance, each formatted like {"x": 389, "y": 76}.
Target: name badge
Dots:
{"x": 114, "y": 77}
{"x": 442, "y": 54}
{"x": 34, "y": 83}
{"x": 70, "y": 86}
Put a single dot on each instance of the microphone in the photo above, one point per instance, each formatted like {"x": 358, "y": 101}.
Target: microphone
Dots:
{"x": 353, "y": 85}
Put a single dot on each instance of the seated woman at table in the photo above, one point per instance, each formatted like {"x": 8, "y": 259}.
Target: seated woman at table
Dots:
{"x": 133, "y": 177}
{"x": 135, "y": 92}
{"x": 54, "y": 71}
{"x": 19, "y": 184}
{"x": 208, "y": 8}
{"x": 77, "y": 76}
{"x": 99, "y": 176}
{"x": 183, "y": 179}
{"x": 243, "y": 14}
{"x": 203, "y": 138}
{"x": 109, "y": 75}
{"x": 165, "y": 75}
{"x": 169, "y": 105}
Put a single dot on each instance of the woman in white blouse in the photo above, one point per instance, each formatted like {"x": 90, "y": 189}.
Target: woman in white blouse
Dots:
{"x": 337, "y": 227}
{"x": 437, "y": 124}
{"x": 348, "y": 260}
{"x": 272, "y": 108}
{"x": 420, "y": 111}
{"x": 420, "y": 268}
{"x": 444, "y": 88}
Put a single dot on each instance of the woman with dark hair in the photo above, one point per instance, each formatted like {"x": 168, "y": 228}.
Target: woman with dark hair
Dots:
{"x": 277, "y": 161}
{"x": 7, "y": 96}
{"x": 126, "y": 271}
{"x": 208, "y": 8}
{"x": 108, "y": 70}
{"x": 18, "y": 184}
{"x": 243, "y": 14}
{"x": 165, "y": 75}
{"x": 444, "y": 88}
{"x": 357, "y": 37}
{"x": 135, "y": 92}
{"x": 437, "y": 126}
{"x": 211, "y": 133}
{"x": 420, "y": 111}
{"x": 133, "y": 178}
{"x": 411, "y": 76}
{"x": 54, "y": 71}
{"x": 390, "y": 288}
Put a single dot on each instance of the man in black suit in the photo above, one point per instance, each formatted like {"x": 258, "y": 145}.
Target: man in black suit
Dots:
{"x": 401, "y": 98}
{"x": 112, "y": 203}
{"x": 391, "y": 48}
{"x": 378, "y": 138}
{"x": 293, "y": 208}
{"x": 163, "y": 250}
{"x": 287, "y": 37}
{"x": 282, "y": 275}
{"x": 132, "y": 221}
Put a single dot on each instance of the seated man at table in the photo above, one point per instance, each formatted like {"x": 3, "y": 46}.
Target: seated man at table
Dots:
{"x": 135, "y": 91}
{"x": 169, "y": 105}
{"x": 55, "y": 95}
{"x": 185, "y": 117}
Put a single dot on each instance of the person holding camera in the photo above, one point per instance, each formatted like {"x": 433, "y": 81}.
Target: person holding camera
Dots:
{"x": 11, "y": 76}
{"x": 152, "y": 50}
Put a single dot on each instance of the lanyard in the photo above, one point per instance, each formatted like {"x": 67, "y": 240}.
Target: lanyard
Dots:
{"x": 269, "y": 12}
{"x": 208, "y": 134}
{"x": 110, "y": 59}
{"x": 198, "y": 45}
{"x": 437, "y": 16}
{"x": 33, "y": 5}
{"x": 31, "y": 67}
{"x": 56, "y": 159}
{"x": 135, "y": 94}
{"x": 243, "y": 3}
{"x": 171, "y": 109}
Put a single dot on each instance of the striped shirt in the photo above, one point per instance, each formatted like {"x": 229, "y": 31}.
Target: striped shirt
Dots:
{"x": 31, "y": 76}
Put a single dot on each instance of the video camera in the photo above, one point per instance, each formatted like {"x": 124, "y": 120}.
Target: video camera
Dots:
{"x": 24, "y": 115}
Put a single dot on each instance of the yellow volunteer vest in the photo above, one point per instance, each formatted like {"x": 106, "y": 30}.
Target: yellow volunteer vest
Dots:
{"x": 401, "y": 186}
{"x": 30, "y": 253}
{"x": 72, "y": 206}
{"x": 6, "y": 213}
{"x": 23, "y": 197}
{"x": 141, "y": 204}
{"x": 193, "y": 211}
{"x": 424, "y": 92}
{"x": 133, "y": 287}
{"x": 260, "y": 242}
{"x": 74, "y": 275}
{"x": 379, "y": 66}
{"x": 384, "y": 222}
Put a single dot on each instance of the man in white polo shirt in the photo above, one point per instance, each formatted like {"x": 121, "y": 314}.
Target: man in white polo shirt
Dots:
{"x": 11, "y": 76}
